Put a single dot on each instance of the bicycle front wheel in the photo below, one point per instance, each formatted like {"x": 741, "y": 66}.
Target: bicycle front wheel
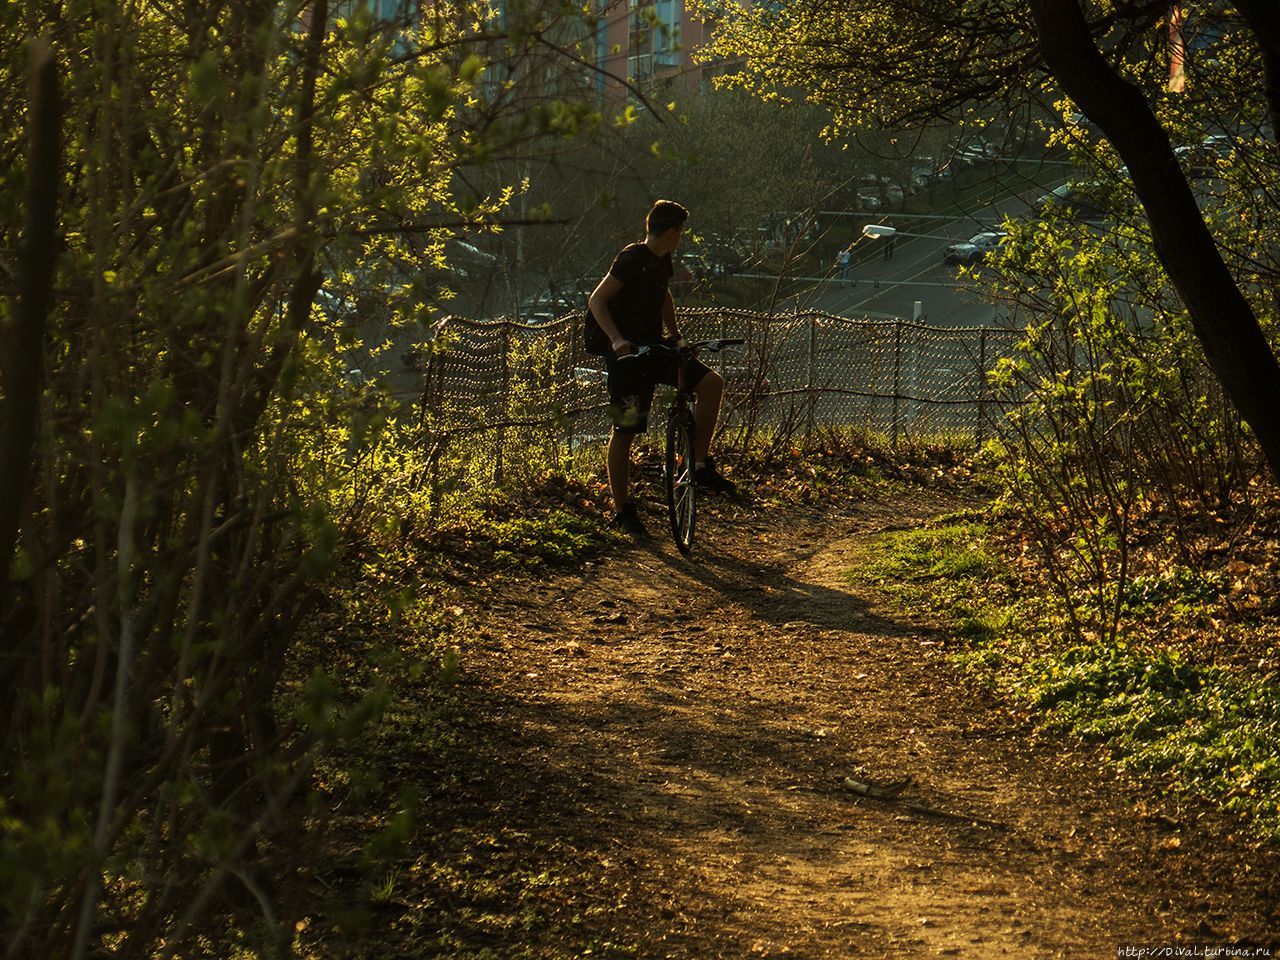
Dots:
{"x": 682, "y": 499}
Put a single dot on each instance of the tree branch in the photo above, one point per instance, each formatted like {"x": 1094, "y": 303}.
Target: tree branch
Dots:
{"x": 428, "y": 226}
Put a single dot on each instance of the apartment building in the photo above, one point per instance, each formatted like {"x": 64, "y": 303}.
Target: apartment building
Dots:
{"x": 651, "y": 42}
{"x": 644, "y": 43}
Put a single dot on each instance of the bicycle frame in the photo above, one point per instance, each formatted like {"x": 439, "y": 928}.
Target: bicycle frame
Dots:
{"x": 681, "y": 488}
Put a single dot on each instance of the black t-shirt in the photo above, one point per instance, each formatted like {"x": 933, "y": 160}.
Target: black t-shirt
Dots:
{"x": 637, "y": 308}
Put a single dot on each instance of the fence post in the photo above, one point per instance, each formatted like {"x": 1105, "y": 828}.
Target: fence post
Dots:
{"x": 911, "y": 423}
{"x": 433, "y": 420}
{"x": 810, "y": 388}
{"x": 897, "y": 377}
{"x": 425, "y": 404}
{"x": 572, "y": 392}
{"x": 753, "y": 404}
{"x": 505, "y": 412}
{"x": 982, "y": 386}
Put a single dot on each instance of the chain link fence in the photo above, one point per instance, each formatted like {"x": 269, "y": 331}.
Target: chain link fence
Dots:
{"x": 504, "y": 400}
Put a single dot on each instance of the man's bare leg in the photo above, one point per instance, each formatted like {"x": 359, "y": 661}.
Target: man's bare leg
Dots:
{"x": 619, "y": 464}
{"x": 709, "y": 391}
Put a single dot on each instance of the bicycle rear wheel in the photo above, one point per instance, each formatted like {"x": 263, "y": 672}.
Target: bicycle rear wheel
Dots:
{"x": 682, "y": 499}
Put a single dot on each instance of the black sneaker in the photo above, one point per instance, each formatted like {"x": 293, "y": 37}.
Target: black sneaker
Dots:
{"x": 628, "y": 521}
{"x": 709, "y": 478}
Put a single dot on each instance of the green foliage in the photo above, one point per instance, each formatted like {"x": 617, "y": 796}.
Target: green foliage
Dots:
{"x": 1122, "y": 416}
{"x": 946, "y": 560}
{"x": 949, "y": 568}
{"x": 251, "y": 205}
{"x": 1116, "y": 374}
{"x": 1209, "y": 731}
{"x": 555, "y": 538}
{"x": 1178, "y": 588}
{"x": 876, "y": 63}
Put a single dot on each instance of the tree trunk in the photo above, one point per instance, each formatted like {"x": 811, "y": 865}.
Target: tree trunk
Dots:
{"x": 1224, "y": 322}
{"x": 1263, "y": 18}
{"x": 24, "y": 362}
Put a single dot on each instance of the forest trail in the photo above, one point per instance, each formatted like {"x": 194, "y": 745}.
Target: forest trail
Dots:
{"x": 677, "y": 734}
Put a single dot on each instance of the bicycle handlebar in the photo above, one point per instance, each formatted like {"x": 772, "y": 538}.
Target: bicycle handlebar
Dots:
{"x": 675, "y": 350}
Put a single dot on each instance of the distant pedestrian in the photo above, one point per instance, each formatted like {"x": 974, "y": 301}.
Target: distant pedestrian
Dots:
{"x": 889, "y": 241}
{"x": 842, "y": 259}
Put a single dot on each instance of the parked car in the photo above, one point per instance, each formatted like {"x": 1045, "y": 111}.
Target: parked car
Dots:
{"x": 927, "y": 171}
{"x": 975, "y": 248}
{"x": 921, "y": 177}
{"x": 782, "y": 229}
{"x": 1201, "y": 160}
{"x": 459, "y": 252}
{"x": 1081, "y": 124}
{"x": 869, "y": 201}
{"x": 1074, "y": 199}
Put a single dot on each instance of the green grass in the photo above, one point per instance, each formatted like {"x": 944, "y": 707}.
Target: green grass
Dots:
{"x": 944, "y": 567}
{"x": 1203, "y": 729}
{"x": 951, "y": 552}
{"x": 1209, "y": 730}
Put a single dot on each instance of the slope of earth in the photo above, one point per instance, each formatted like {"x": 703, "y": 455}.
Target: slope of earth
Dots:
{"x": 656, "y": 761}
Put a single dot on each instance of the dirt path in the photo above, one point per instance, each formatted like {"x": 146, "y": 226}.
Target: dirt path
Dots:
{"x": 676, "y": 734}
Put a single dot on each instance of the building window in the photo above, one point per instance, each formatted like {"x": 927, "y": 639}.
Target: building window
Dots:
{"x": 654, "y": 36}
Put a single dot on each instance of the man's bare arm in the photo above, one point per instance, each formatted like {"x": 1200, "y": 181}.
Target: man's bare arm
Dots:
{"x": 598, "y": 304}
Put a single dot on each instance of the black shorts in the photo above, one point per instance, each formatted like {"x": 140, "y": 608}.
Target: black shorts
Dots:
{"x": 631, "y": 384}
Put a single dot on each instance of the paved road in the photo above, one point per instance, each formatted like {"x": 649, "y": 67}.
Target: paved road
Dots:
{"x": 890, "y": 288}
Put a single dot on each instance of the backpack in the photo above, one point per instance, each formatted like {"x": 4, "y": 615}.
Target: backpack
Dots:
{"x": 593, "y": 338}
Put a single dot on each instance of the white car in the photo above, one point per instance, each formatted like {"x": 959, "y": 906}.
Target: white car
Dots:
{"x": 869, "y": 202}
{"x": 975, "y": 248}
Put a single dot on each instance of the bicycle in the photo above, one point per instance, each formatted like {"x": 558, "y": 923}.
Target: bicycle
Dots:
{"x": 681, "y": 490}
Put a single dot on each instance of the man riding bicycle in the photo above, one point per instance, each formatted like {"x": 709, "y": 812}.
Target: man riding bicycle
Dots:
{"x": 633, "y": 307}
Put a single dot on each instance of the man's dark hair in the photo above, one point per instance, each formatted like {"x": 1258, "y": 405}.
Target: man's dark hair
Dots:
{"x": 665, "y": 215}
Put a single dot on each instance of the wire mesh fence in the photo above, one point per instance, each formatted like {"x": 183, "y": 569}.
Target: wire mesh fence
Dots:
{"x": 504, "y": 399}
